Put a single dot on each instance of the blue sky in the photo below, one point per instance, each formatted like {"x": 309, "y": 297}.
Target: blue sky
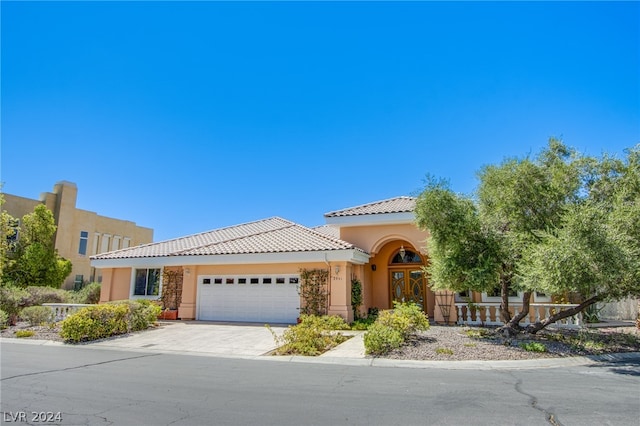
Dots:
{"x": 185, "y": 117}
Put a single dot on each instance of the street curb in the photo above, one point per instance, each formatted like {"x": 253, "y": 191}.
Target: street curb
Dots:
{"x": 525, "y": 364}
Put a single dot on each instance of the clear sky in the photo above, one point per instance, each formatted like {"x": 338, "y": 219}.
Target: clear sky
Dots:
{"x": 186, "y": 117}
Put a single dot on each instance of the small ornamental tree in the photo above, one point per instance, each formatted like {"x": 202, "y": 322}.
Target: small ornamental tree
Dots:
{"x": 7, "y": 238}
{"x": 556, "y": 224}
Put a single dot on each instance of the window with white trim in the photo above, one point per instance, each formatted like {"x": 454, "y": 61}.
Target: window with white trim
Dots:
{"x": 146, "y": 282}
{"x": 126, "y": 242}
{"x": 539, "y": 297}
{"x": 463, "y": 296}
{"x": 116, "y": 243}
{"x": 494, "y": 295}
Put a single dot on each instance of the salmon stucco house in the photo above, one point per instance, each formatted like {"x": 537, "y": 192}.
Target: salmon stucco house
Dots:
{"x": 251, "y": 272}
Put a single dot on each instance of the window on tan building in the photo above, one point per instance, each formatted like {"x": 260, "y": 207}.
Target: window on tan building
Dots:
{"x": 77, "y": 283}
{"x": 106, "y": 239}
{"x": 84, "y": 241}
{"x": 96, "y": 243}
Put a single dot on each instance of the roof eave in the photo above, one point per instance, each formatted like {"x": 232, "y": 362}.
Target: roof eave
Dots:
{"x": 372, "y": 219}
{"x": 354, "y": 255}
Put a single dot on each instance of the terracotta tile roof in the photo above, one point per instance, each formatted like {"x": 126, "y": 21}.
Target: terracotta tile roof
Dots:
{"x": 332, "y": 231}
{"x": 273, "y": 235}
{"x": 391, "y": 205}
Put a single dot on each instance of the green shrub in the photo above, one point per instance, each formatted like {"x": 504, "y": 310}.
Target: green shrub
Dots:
{"x": 407, "y": 318}
{"x": 110, "y": 319}
{"x": 4, "y": 319}
{"x": 12, "y": 300}
{"x": 393, "y": 327}
{"x": 418, "y": 321}
{"x": 88, "y": 294}
{"x": 39, "y": 295}
{"x": 478, "y": 333}
{"x": 363, "y": 323}
{"x": 24, "y": 333}
{"x": 37, "y": 315}
{"x": 380, "y": 339}
{"x": 95, "y": 322}
{"x": 444, "y": 351}
{"x": 142, "y": 313}
{"x": 533, "y": 347}
{"x": 312, "y": 336}
{"x": 356, "y": 297}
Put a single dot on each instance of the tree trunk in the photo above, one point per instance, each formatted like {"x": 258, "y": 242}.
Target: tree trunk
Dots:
{"x": 512, "y": 327}
{"x": 534, "y": 328}
{"x": 504, "y": 304}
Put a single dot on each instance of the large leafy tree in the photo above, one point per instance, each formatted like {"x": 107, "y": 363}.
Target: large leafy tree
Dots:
{"x": 34, "y": 261}
{"x": 557, "y": 223}
{"x": 7, "y": 234}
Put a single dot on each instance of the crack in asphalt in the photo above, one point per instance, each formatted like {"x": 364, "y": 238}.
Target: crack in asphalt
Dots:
{"x": 533, "y": 401}
{"x": 77, "y": 367}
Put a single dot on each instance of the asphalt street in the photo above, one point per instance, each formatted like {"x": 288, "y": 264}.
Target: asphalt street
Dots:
{"x": 98, "y": 386}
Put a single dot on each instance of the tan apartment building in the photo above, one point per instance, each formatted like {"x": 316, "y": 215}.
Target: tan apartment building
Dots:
{"x": 80, "y": 233}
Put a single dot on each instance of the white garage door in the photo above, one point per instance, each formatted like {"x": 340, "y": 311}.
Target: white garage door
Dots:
{"x": 268, "y": 298}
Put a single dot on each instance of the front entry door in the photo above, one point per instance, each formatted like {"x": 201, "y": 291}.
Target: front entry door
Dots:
{"x": 408, "y": 285}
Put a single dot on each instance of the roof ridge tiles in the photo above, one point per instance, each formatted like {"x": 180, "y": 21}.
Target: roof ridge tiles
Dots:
{"x": 288, "y": 224}
{"x": 328, "y": 237}
{"x": 368, "y": 205}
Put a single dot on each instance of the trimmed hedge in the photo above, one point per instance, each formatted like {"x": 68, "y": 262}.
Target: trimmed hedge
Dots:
{"x": 109, "y": 319}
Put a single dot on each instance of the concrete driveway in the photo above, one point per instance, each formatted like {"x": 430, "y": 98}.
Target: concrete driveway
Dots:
{"x": 212, "y": 338}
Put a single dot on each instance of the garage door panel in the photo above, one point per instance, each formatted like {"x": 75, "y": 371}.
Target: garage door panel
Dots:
{"x": 277, "y": 301}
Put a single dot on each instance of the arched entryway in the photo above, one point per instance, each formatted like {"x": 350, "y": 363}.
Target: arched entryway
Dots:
{"x": 407, "y": 280}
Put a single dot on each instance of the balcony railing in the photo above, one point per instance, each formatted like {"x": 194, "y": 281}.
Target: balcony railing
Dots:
{"x": 63, "y": 310}
{"x": 489, "y": 314}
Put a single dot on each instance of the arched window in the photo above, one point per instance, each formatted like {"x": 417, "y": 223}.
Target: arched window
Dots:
{"x": 406, "y": 256}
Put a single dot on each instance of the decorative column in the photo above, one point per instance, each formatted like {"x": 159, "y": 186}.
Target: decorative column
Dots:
{"x": 340, "y": 291}
{"x": 187, "y": 309}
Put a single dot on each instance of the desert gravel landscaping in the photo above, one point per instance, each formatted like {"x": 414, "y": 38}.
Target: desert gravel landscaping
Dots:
{"x": 458, "y": 343}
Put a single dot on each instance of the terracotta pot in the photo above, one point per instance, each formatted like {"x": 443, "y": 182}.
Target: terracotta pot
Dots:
{"x": 169, "y": 314}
